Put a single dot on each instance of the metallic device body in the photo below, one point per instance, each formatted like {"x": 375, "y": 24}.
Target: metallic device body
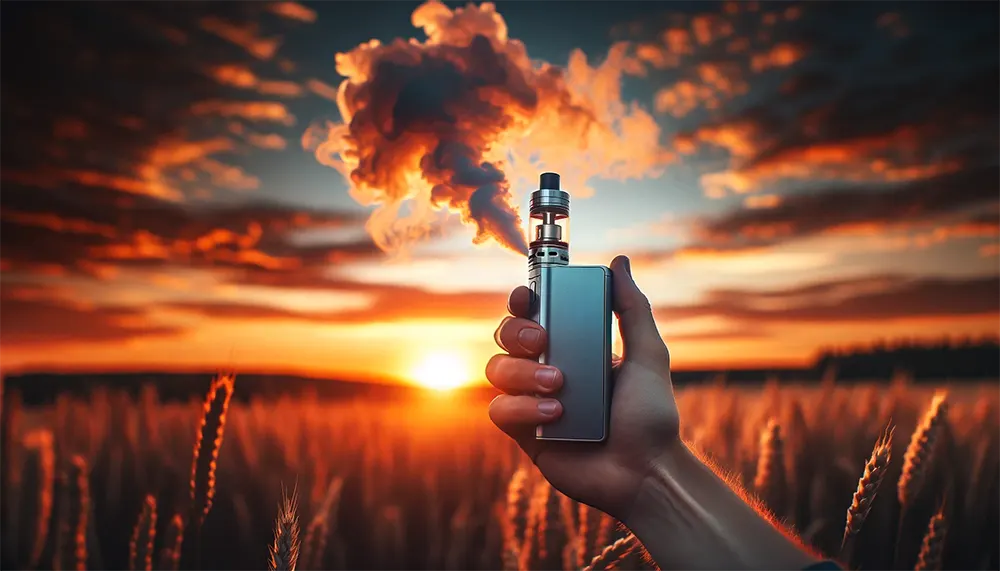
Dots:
{"x": 574, "y": 306}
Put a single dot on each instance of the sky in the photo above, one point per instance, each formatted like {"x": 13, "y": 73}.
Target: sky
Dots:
{"x": 339, "y": 188}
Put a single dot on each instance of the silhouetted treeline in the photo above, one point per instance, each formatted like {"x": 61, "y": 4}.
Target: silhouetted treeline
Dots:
{"x": 945, "y": 359}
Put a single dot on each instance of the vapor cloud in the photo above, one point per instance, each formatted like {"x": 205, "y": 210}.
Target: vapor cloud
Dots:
{"x": 446, "y": 124}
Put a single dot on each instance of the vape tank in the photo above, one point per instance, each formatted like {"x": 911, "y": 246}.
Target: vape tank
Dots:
{"x": 573, "y": 304}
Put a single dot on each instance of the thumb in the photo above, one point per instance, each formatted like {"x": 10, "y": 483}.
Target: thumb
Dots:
{"x": 641, "y": 340}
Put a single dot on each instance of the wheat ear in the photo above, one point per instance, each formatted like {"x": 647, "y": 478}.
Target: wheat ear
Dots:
{"x": 515, "y": 518}
{"x": 285, "y": 549}
{"x": 916, "y": 463}
{"x": 933, "y": 545}
{"x": 140, "y": 549}
{"x": 38, "y": 444}
{"x": 613, "y": 553}
{"x": 871, "y": 479}
{"x": 916, "y": 460}
{"x": 207, "y": 444}
{"x": 170, "y": 553}
{"x": 74, "y": 509}
{"x": 770, "y": 481}
{"x": 319, "y": 528}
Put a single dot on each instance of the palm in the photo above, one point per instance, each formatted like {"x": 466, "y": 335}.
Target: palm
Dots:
{"x": 607, "y": 476}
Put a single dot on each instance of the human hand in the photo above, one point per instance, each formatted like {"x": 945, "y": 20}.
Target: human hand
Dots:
{"x": 644, "y": 420}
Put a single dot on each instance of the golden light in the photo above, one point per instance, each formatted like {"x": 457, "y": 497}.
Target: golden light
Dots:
{"x": 441, "y": 371}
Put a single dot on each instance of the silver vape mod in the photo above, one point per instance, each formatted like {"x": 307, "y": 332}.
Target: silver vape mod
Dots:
{"x": 573, "y": 304}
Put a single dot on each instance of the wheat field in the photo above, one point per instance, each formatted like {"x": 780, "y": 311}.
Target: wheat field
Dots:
{"x": 878, "y": 476}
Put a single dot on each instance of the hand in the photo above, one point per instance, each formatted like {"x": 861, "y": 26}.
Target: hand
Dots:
{"x": 644, "y": 421}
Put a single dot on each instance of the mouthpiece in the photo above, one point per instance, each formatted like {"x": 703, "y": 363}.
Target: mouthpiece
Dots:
{"x": 549, "y": 181}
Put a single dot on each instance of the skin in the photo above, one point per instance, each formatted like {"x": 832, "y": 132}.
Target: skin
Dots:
{"x": 684, "y": 513}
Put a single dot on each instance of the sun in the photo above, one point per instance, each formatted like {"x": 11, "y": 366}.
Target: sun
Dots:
{"x": 441, "y": 371}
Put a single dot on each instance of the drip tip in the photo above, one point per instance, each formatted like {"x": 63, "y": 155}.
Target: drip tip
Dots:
{"x": 549, "y": 181}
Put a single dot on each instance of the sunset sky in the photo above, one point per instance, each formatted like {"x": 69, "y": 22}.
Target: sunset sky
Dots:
{"x": 183, "y": 187}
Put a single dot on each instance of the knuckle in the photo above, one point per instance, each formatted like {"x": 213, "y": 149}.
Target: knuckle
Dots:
{"x": 642, "y": 302}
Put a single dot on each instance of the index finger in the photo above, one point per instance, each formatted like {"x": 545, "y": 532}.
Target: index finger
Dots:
{"x": 519, "y": 302}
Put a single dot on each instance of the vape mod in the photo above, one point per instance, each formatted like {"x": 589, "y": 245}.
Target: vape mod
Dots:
{"x": 573, "y": 304}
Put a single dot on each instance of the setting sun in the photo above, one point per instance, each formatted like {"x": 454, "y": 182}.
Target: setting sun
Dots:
{"x": 441, "y": 371}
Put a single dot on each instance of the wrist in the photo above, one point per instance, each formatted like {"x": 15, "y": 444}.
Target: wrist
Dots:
{"x": 690, "y": 518}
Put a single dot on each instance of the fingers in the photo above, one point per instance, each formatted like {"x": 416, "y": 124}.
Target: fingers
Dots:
{"x": 518, "y": 415}
{"x": 640, "y": 337}
{"x": 520, "y": 337}
{"x": 519, "y": 376}
{"x": 519, "y": 302}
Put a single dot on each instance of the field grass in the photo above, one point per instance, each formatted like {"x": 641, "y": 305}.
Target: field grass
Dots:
{"x": 105, "y": 482}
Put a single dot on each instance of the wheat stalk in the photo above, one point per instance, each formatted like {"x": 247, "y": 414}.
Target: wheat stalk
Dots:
{"x": 613, "y": 553}
{"x": 515, "y": 518}
{"x": 41, "y": 461}
{"x": 74, "y": 509}
{"x": 140, "y": 553}
{"x": 285, "y": 549}
{"x": 868, "y": 484}
{"x": 170, "y": 553}
{"x": 207, "y": 444}
{"x": 770, "y": 481}
{"x": 916, "y": 460}
{"x": 319, "y": 528}
{"x": 932, "y": 547}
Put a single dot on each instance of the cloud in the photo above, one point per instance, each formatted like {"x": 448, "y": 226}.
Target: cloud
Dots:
{"x": 849, "y": 300}
{"x": 114, "y": 108}
{"x": 32, "y": 315}
{"x": 386, "y": 303}
{"x": 293, "y": 11}
{"x": 706, "y": 60}
{"x": 903, "y": 123}
{"x": 48, "y": 231}
{"x": 448, "y": 122}
{"x": 241, "y": 76}
{"x": 272, "y": 111}
{"x": 845, "y": 210}
{"x": 244, "y": 35}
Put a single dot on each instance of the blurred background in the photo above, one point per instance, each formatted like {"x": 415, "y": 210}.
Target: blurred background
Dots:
{"x": 328, "y": 199}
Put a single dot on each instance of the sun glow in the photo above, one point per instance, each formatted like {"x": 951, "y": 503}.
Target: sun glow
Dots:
{"x": 441, "y": 371}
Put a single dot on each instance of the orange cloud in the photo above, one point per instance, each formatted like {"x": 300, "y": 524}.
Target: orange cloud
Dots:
{"x": 386, "y": 303}
{"x": 243, "y": 77}
{"x": 235, "y": 75}
{"x": 780, "y": 55}
{"x": 272, "y": 141}
{"x": 245, "y": 36}
{"x": 252, "y": 110}
{"x": 321, "y": 89}
{"x": 35, "y": 315}
{"x": 989, "y": 250}
{"x": 293, "y": 11}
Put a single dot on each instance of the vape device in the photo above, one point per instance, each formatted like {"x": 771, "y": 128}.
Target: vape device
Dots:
{"x": 573, "y": 304}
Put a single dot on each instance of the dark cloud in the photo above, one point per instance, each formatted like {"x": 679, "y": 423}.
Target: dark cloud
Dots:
{"x": 31, "y": 315}
{"x": 862, "y": 299}
{"x": 126, "y": 96}
{"x": 829, "y": 210}
{"x": 57, "y": 230}
{"x": 865, "y": 114}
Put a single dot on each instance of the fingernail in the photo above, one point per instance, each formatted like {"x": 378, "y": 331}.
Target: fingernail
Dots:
{"x": 546, "y": 377}
{"x": 528, "y": 337}
{"x": 628, "y": 266}
{"x": 496, "y": 334}
{"x": 548, "y": 407}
